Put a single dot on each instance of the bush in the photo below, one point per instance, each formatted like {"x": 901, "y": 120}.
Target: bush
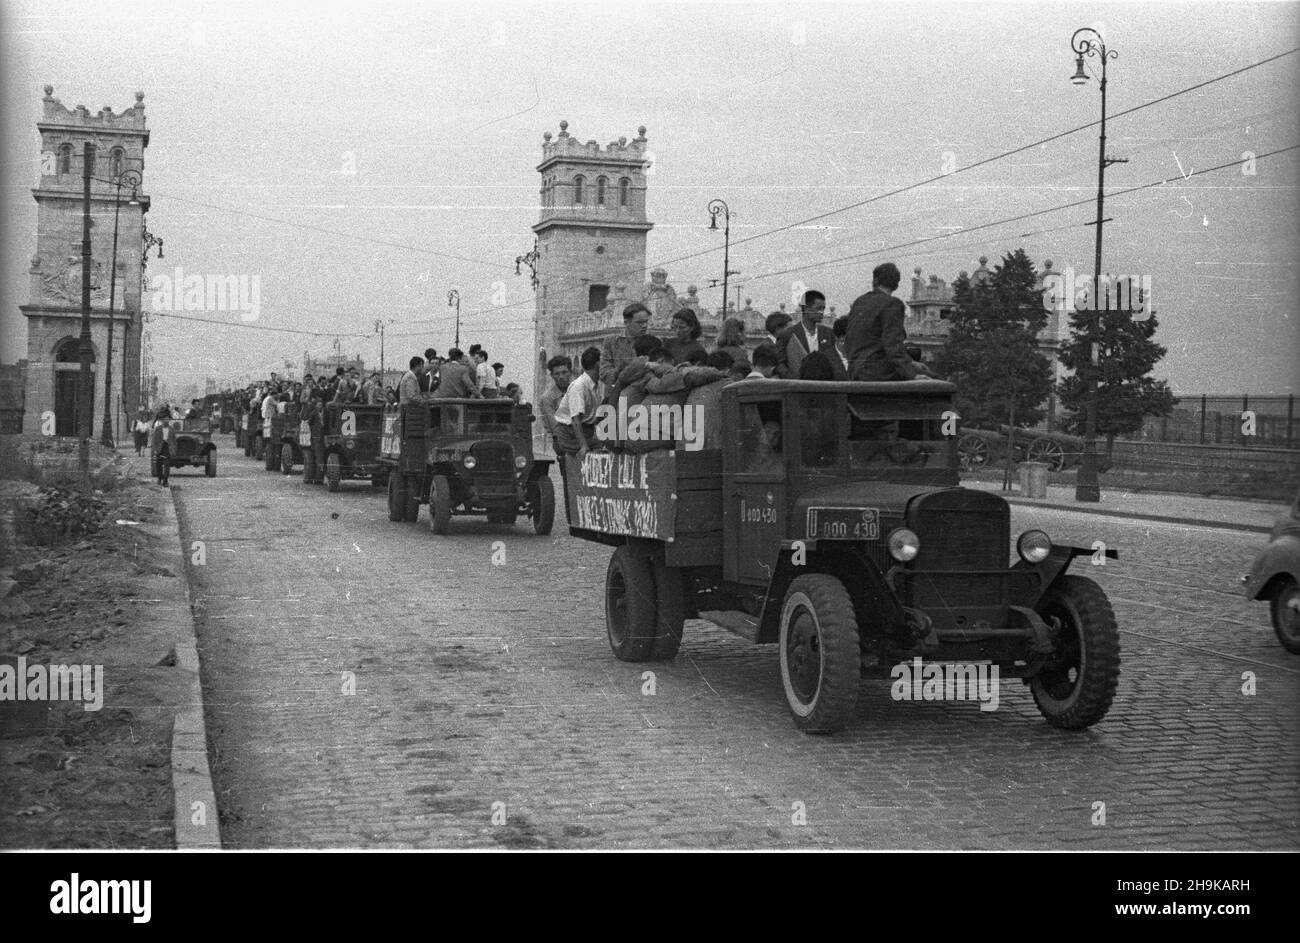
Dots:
{"x": 60, "y": 514}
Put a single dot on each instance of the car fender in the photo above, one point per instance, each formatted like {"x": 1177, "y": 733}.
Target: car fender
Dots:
{"x": 1280, "y": 558}
{"x": 1057, "y": 562}
{"x": 850, "y": 564}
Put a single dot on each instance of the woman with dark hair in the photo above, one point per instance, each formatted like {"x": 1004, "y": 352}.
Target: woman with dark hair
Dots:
{"x": 731, "y": 339}
{"x": 686, "y": 336}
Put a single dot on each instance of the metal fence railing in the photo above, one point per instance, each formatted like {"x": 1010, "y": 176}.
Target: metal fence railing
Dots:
{"x": 1247, "y": 421}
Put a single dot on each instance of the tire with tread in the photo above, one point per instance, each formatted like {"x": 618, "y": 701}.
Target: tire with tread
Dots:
{"x": 820, "y": 657}
{"x": 1076, "y": 686}
{"x": 670, "y": 611}
{"x": 309, "y": 470}
{"x": 414, "y": 491}
{"x": 210, "y": 467}
{"x": 440, "y": 504}
{"x": 396, "y": 498}
{"x": 333, "y": 472}
{"x": 1284, "y": 607}
{"x": 541, "y": 497}
{"x": 630, "y": 604}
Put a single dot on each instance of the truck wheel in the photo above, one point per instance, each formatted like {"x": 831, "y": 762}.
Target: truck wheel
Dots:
{"x": 440, "y": 504}
{"x": 259, "y": 448}
{"x": 210, "y": 469}
{"x": 541, "y": 497}
{"x": 309, "y": 466}
{"x": 412, "y": 488}
{"x": 670, "y": 612}
{"x": 630, "y": 605}
{"x": 333, "y": 471}
{"x": 1075, "y": 687}
{"x": 286, "y": 458}
{"x": 396, "y": 498}
{"x": 1285, "y": 608}
{"x": 820, "y": 660}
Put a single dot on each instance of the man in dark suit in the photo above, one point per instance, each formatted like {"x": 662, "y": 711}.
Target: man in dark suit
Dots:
{"x": 808, "y": 336}
{"x": 875, "y": 337}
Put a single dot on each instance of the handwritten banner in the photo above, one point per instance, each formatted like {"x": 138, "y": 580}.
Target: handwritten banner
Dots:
{"x": 625, "y": 493}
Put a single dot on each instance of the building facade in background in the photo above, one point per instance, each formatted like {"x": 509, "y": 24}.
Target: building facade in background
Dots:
{"x": 53, "y": 310}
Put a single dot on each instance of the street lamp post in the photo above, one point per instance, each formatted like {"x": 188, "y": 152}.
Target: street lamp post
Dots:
{"x": 716, "y": 207}
{"x": 1086, "y": 485}
{"x": 86, "y": 347}
{"x": 453, "y": 298}
{"x": 148, "y": 241}
{"x": 379, "y": 326}
{"x": 132, "y": 179}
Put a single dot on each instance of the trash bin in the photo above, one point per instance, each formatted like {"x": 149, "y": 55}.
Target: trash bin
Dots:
{"x": 1033, "y": 479}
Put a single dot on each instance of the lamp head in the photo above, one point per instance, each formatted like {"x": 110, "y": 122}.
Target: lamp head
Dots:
{"x": 713, "y": 222}
{"x": 1080, "y": 76}
{"x": 134, "y": 201}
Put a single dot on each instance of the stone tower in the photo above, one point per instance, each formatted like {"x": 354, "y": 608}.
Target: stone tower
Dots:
{"x": 53, "y": 310}
{"x": 591, "y": 233}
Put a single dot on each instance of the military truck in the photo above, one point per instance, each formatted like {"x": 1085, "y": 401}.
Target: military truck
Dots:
{"x": 465, "y": 457}
{"x": 831, "y": 522}
{"x": 350, "y": 435}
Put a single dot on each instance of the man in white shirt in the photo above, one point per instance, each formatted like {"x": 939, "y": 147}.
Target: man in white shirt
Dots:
{"x": 575, "y": 417}
{"x": 486, "y": 376}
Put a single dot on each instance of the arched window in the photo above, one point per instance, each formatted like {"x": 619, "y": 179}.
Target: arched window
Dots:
{"x": 65, "y": 159}
{"x": 117, "y": 160}
{"x": 600, "y": 190}
{"x": 69, "y": 351}
{"x": 578, "y": 181}
{"x": 624, "y": 191}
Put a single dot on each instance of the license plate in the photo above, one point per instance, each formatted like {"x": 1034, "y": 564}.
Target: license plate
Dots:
{"x": 843, "y": 524}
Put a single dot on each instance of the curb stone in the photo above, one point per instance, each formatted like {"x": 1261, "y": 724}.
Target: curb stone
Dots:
{"x": 1138, "y": 516}
{"x": 195, "y": 813}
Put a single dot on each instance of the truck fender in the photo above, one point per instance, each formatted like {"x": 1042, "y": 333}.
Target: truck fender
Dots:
{"x": 849, "y": 563}
{"x": 1279, "y": 558}
{"x": 1057, "y": 562}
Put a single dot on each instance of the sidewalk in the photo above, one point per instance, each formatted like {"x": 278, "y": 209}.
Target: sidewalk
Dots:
{"x": 1227, "y": 513}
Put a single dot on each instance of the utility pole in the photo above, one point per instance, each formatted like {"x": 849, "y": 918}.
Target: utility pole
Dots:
{"x": 453, "y": 298}
{"x": 85, "y": 392}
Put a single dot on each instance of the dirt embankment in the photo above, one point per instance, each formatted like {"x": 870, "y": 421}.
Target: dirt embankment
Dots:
{"x": 72, "y": 777}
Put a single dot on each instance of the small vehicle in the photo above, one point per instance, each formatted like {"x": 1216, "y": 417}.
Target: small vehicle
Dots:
{"x": 979, "y": 447}
{"x": 465, "y": 457}
{"x": 350, "y": 434}
{"x": 1275, "y": 577}
{"x": 831, "y": 522}
{"x": 189, "y": 443}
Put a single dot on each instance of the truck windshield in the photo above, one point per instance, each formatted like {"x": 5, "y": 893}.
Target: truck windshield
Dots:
{"x": 887, "y": 434}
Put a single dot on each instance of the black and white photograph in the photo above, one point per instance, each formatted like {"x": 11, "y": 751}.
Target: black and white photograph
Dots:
{"x": 665, "y": 426}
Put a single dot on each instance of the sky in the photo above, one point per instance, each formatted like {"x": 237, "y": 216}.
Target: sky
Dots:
{"x": 362, "y": 159}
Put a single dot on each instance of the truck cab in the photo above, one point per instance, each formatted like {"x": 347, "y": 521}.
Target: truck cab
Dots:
{"x": 831, "y": 522}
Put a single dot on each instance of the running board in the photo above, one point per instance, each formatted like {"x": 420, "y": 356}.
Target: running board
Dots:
{"x": 746, "y": 626}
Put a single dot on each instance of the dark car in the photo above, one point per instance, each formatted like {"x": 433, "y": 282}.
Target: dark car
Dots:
{"x": 831, "y": 522}
{"x": 350, "y": 434}
{"x": 1275, "y": 577}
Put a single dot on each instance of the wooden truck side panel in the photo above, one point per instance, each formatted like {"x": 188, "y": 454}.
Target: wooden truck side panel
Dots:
{"x": 673, "y": 496}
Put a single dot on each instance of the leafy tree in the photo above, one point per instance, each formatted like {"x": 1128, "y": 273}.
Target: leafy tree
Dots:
{"x": 1126, "y": 392}
{"x": 991, "y": 352}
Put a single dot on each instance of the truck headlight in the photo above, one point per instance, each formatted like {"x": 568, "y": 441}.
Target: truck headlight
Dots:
{"x": 1034, "y": 546}
{"x": 470, "y": 461}
{"x": 903, "y": 544}
{"x": 520, "y": 462}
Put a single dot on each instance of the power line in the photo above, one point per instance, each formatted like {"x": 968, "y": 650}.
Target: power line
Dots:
{"x": 1013, "y": 219}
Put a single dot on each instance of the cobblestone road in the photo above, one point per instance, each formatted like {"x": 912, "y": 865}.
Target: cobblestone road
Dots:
{"x": 478, "y": 684}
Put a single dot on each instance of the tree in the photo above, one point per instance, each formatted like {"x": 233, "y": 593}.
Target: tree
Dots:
{"x": 1126, "y": 392}
{"x": 991, "y": 352}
